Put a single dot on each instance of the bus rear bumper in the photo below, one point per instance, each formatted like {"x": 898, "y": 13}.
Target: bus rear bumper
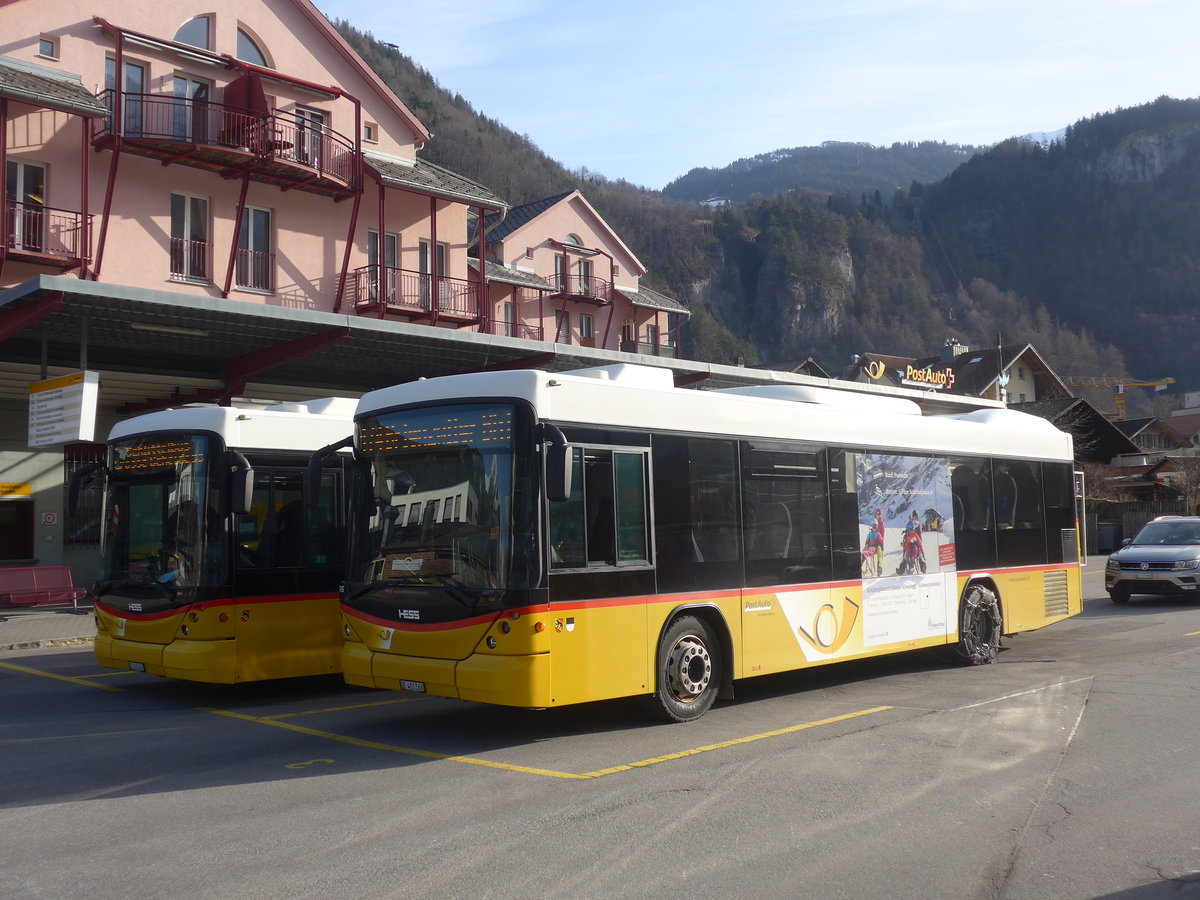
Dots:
{"x": 501, "y": 680}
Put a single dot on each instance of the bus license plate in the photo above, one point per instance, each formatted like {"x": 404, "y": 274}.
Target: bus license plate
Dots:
{"x": 137, "y": 667}
{"x": 418, "y": 686}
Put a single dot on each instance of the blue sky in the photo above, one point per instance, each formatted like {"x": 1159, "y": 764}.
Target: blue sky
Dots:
{"x": 647, "y": 89}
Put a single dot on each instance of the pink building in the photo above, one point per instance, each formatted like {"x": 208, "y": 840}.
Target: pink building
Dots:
{"x": 244, "y": 152}
{"x": 557, "y": 272}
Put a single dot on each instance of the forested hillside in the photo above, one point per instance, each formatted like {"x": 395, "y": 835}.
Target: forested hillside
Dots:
{"x": 1102, "y": 228}
{"x": 854, "y": 169}
{"x": 1081, "y": 248}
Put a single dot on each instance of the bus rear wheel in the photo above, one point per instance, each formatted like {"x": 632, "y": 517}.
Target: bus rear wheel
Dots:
{"x": 979, "y": 627}
{"x": 688, "y": 670}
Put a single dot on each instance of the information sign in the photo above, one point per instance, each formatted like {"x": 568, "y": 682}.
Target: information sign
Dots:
{"x": 63, "y": 409}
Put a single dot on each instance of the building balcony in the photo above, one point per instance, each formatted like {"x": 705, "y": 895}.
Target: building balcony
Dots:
{"x": 191, "y": 260}
{"x": 648, "y": 349}
{"x": 230, "y": 141}
{"x": 514, "y": 329}
{"x": 44, "y": 235}
{"x": 407, "y": 293}
{"x": 583, "y": 288}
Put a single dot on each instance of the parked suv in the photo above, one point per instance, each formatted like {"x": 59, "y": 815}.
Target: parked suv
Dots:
{"x": 1164, "y": 558}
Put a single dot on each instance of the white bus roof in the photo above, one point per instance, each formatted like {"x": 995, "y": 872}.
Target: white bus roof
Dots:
{"x": 287, "y": 426}
{"x": 643, "y": 397}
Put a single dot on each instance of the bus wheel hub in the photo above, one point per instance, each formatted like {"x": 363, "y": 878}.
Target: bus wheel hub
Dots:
{"x": 689, "y": 668}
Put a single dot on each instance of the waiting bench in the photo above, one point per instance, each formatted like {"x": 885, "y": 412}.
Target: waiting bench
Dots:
{"x": 38, "y": 586}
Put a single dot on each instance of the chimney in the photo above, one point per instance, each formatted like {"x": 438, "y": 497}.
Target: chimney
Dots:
{"x": 951, "y": 349}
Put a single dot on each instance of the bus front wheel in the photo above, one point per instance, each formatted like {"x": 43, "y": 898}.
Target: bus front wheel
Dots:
{"x": 688, "y": 670}
{"x": 979, "y": 627}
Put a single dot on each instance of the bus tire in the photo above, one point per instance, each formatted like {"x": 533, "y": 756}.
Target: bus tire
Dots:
{"x": 687, "y": 670}
{"x": 979, "y": 627}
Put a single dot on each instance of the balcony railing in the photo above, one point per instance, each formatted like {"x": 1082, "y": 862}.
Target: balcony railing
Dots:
{"x": 165, "y": 118}
{"x": 514, "y": 329}
{"x": 255, "y": 270}
{"x": 46, "y": 231}
{"x": 648, "y": 349}
{"x": 191, "y": 260}
{"x": 412, "y": 293}
{"x": 581, "y": 287}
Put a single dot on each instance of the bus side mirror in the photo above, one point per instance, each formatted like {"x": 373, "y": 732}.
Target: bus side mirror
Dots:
{"x": 241, "y": 484}
{"x": 312, "y": 476}
{"x": 558, "y": 465}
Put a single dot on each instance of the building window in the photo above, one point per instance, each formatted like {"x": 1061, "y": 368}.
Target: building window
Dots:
{"x": 249, "y": 51}
{"x": 423, "y": 264}
{"x": 383, "y": 283}
{"x": 652, "y": 335}
{"x": 84, "y": 526}
{"x": 370, "y": 132}
{"x": 195, "y": 33}
{"x": 191, "y": 248}
{"x": 584, "y": 288}
{"x": 310, "y": 136}
{"x": 255, "y": 259}
{"x": 586, "y": 334}
{"x": 190, "y": 116}
{"x": 25, "y": 190}
{"x": 133, "y": 88}
{"x": 562, "y": 327}
{"x": 48, "y": 47}
{"x": 628, "y": 333}
{"x": 509, "y": 322}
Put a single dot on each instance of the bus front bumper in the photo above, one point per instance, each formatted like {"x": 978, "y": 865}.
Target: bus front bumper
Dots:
{"x": 502, "y": 680}
{"x": 214, "y": 662}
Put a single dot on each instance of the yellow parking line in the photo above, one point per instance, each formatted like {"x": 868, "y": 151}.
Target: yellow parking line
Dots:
{"x": 73, "y": 680}
{"x": 791, "y": 729}
{"x": 1191, "y": 633}
{"x": 547, "y": 773}
{"x": 392, "y": 748}
{"x": 110, "y": 674}
{"x": 333, "y": 709}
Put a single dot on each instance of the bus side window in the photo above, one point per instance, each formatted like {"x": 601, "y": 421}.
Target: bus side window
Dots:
{"x": 843, "y": 515}
{"x": 697, "y": 522}
{"x": 605, "y": 521}
{"x": 1058, "y": 483}
{"x": 974, "y": 535}
{"x": 785, "y": 510}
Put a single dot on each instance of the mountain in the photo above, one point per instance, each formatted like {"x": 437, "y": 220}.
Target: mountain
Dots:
{"x": 1088, "y": 247}
{"x": 1102, "y": 228}
{"x": 853, "y": 169}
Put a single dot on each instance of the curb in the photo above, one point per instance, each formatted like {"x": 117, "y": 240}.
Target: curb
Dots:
{"x": 52, "y": 642}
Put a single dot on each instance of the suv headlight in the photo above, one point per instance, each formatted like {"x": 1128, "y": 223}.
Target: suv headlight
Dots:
{"x": 1187, "y": 563}
{"x": 1112, "y": 565}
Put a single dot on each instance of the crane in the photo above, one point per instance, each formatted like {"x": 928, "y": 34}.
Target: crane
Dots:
{"x": 1118, "y": 385}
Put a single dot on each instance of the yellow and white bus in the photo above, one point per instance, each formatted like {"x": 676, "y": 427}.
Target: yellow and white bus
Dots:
{"x": 215, "y": 565}
{"x": 540, "y": 539}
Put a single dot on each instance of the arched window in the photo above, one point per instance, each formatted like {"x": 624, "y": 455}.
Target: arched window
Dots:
{"x": 248, "y": 49}
{"x": 573, "y": 239}
{"x": 196, "y": 32}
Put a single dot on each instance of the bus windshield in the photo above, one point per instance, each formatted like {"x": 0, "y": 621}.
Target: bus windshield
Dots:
{"x": 161, "y": 529}
{"x": 433, "y": 504}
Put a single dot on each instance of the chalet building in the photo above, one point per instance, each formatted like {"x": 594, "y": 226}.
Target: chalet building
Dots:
{"x": 1015, "y": 373}
{"x": 557, "y": 272}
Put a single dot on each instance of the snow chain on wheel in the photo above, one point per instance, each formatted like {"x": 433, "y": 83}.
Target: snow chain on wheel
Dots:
{"x": 979, "y": 627}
